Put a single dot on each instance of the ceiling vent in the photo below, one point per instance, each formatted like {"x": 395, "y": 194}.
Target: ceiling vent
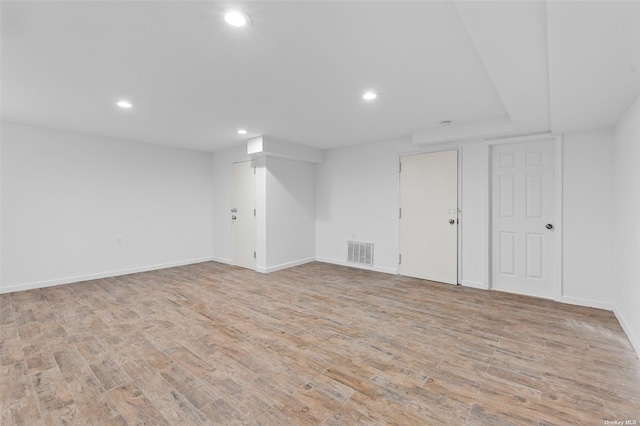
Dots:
{"x": 361, "y": 253}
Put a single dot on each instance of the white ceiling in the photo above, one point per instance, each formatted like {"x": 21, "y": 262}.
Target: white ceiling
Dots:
{"x": 594, "y": 62}
{"x": 299, "y": 71}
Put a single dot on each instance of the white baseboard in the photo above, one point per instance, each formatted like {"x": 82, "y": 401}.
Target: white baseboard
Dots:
{"x": 355, "y": 265}
{"x": 609, "y": 307}
{"x": 586, "y": 302}
{"x": 474, "y": 284}
{"x": 634, "y": 341}
{"x": 221, "y": 260}
{"x": 286, "y": 265}
{"x": 79, "y": 278}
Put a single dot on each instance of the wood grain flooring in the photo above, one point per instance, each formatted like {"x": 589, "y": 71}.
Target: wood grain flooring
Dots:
{"x": 315, "y": 344}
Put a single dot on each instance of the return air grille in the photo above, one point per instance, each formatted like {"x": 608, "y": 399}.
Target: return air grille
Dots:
{"x": 361, "y": 253}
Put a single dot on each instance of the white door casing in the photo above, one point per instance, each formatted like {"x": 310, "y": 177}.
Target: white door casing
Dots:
{"x": 429, "y": 216}
{"x": 243, "y": 210}
{"x": 524, "y": 234}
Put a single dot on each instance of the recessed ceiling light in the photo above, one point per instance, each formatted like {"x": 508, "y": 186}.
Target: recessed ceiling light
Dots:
{"x": 242, "y": 132}
{"x": 445, "y": 123}
{"x": 369, "y": 96}
{"x": 124, "y": 104}
{"x": 236, "y": 18}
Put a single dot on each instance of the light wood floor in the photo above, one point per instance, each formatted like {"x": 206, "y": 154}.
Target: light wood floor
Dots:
{"x": 315, "y": 344}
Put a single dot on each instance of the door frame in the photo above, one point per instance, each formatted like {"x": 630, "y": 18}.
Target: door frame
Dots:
{"x": 430, "y": 150}
{"x": 558, "y": 149}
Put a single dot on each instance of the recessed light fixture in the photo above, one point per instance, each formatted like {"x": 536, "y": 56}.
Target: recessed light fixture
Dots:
{"x": 242, "y": 132}
{"x": 369, "y": 96}
{"x": 236, "y": 18}
{"x": 445, "y": 123}
{"x": 124, "y": 104}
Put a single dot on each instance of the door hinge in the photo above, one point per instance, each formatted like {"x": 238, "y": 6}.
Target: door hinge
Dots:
{"x": 254, "y": 212}
{"x": 254, "y": 170}
{"x": 400, "y": 213}
{"x": 399, "y": 258}
{"x": 400, "y": 167}
{"x": 254, "y": 254}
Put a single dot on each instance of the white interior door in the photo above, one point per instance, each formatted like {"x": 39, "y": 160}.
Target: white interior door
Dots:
{"x": 243, "y": 214}
{"x": 523, "y": 218}
{"x": 429, "y": 216}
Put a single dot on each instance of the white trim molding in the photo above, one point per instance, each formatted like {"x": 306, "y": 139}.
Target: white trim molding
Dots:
{"x": 586, "y": 302}
{"x": 393, "y": 271}
{"x": 474, "y": 284}
{"x": 625, "y": 327}
{"x": 558, "y": 175}
{"x": 519, "y": 139}
{"x": 80, "y": 278}
{"x": 287, "y": 265}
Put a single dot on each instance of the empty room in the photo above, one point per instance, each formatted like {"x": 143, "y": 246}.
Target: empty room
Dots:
{"x": 320, "y": 212}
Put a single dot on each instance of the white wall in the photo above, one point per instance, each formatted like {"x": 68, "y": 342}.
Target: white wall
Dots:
{"x": 626, "y": 217}
{"x": 588, "y": 218}
{"x": 473, "y": 217}
{"x": 291, "y": 212}
{"x": 67, "y": 197}
{"x": 1, "y": 133}
{"x": 357, "y": 199}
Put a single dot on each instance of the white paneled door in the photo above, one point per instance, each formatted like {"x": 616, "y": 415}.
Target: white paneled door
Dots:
{"x": 523, "y": 236}
{"x": 243, "y": 214}
{"x": 429, "y": 216}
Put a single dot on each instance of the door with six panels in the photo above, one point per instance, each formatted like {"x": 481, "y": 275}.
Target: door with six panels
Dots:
{"x": 523, "y": 236}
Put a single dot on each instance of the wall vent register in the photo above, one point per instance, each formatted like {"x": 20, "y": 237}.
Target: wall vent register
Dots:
{"x": 361, "y": 253}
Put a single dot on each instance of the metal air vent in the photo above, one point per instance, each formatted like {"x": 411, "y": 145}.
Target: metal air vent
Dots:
{"x": 361, "y": 253}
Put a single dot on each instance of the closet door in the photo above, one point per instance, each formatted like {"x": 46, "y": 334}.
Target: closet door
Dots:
{"x": 243, "y": 215}
{"x": 429, "y": 216}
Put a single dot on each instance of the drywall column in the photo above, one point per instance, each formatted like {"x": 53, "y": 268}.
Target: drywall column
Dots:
{"x": 286, "y": 198}
{"x": 290, "y": 213}
{"x": 261, "y": 214}
{"x": 285, "y": 202}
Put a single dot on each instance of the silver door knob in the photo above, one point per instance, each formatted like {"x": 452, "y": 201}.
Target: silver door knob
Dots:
{"x": 451, "y": 221}
{"x": 549, "y": 226}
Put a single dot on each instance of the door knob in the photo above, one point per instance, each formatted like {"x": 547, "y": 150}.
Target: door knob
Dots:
{"x": 233, "y": 217}
{"x": 549, "y": 226}
{"x": 451, "y": 221}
